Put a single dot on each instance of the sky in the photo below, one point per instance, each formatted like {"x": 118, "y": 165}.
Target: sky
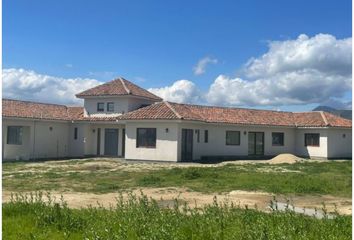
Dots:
{"x": 283, "y": 55}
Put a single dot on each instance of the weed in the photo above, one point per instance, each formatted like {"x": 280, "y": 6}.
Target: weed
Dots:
{"x": 39, "y": 216}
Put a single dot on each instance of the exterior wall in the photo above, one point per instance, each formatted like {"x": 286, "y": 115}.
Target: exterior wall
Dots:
{"x": 86, "y": 143}
{"x": 310, "y": 151}
{"x": 122, "y": 105}
{"x": 216, "y": 145}
{"x": 38, "y": 140}
{"x": 339, "y": 143}
{"x": 166, "y": 142}
{"x": 77, "y": 146}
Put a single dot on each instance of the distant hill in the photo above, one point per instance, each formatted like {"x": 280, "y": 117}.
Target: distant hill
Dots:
{"x": 342, "y": 113}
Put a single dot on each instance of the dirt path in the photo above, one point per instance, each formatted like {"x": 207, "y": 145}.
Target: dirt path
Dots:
{"x": 166, "y": 196}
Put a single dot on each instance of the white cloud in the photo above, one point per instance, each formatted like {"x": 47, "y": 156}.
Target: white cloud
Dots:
{"x": 297, "y": 87}
{"x": 28, "y": 85}
{"x": 202, "y": 64}
{"x": 301, "y": 71}
{"x": 322, "y": 52}
{"x": 181, "y": 91}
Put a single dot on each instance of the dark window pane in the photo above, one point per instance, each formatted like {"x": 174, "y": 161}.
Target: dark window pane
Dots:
{"x": 100, "y": 107}
{"x": 232, "y": 138}
{"x": 206, "y": 136}
{"x": 146, "y": 137}
{"x": 312, "y": 139}
{"x": 277, "y": 139}
{"x": 198, "y": 135}
{"x": 75, "y": 133}
{"x": 14, "y": 135}
{"x": 110, "y": 107}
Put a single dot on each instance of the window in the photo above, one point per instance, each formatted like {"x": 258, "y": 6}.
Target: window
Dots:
{"x": 100, "y": 107}
{"x": 206, "y": 136}
{"x": 146, "y": 137}
{"x": 232, "y": 137}
{"x": 278, "y": 139}
{"x": 75, "y": 133}
{"x": 197, "y": 131}
{"x": 312, "y": 139}
{"x": 14, "y": 135}
{"x": 110, "y": 107}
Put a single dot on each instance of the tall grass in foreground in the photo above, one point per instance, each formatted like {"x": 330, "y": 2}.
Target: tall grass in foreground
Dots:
{"x": 37, "y": 217}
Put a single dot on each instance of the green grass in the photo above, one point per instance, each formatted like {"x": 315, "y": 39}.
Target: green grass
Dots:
{"x": 141, "y": 218}
{"x": 301, "y": 178}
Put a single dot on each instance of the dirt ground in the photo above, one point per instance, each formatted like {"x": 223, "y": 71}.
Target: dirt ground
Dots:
{"x": 166, "y": 197}
{"x": 114, "y": 164}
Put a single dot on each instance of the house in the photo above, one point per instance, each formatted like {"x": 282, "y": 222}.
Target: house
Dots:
{"x": 121, "y": 119}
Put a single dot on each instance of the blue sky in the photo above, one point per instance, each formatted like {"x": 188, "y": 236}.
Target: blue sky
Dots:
{"x": 157, "y": 43}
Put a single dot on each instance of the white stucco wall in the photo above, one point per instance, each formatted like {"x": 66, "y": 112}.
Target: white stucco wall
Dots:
{"x": 166, "y": 142}
{"x": 122, "y": 104}
{"x": 339, "y": 143}
{"x": 86, "y": 143}
{"x": 216, "y": 145}
{"x": 41, "y": 142}
{"x": 38, "y": 140}
{"x": 311, "y": 151}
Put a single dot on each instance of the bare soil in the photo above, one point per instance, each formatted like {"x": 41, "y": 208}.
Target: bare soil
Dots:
{"x": 166, "y": 197}
{"x": 114, "y": 164}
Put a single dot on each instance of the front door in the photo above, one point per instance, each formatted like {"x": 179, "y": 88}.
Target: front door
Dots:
{"x": 187, "y": 144}
{"x": 256, "y": 143}
{"x": 111, "y": 142}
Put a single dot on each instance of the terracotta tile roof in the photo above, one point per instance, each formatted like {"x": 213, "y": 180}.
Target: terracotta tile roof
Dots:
{"x": 334, "y": 120}
{"x": 309, "y": 119}
{"x": 155, "y": 111}
{"x": 175, "y": 111}
{"x": 36, "y": 110}
{"x": 119, "y": 86}
{"x": 27, "y": 109}
{"x": 168, "y": 111}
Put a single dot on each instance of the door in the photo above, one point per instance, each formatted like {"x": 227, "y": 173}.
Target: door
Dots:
{"x": 187, "y": 145}
{"x": 123, "y": 142}
{"x": 98, "y": 141}
{"x": 256, "y": 143}
{"x": 111, "y": 142}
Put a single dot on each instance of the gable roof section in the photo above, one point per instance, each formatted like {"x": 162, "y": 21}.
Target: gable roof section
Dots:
{"x": 118, "y": 87}
{"x": 334, "y": 120}
{"x": 27, "y": 109}
{"x": 160, "y": 110}
{"x": 209, "y": 114}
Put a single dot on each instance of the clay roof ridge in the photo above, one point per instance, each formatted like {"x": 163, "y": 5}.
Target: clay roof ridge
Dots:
{"x": 228, "y": 107}
{"x": 324, "y": 118}
{"x": 124, "y": 86}
{"x": 173, "y": 110}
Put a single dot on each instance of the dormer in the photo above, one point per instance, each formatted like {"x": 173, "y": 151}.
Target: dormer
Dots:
{"x": 115, "y": 98}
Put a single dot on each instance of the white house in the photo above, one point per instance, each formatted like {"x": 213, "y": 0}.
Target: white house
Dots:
{"x": 121, "y": 119}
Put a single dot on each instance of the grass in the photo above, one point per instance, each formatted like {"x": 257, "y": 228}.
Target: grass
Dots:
{"x": 30, "y": 217}
{"x": 301, "y": 178}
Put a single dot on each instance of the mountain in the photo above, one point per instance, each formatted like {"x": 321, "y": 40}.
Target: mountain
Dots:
{"x": 342, "y": 113}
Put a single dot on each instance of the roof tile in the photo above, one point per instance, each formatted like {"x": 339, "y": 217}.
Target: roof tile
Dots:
{"x": 175, "y": 111}
{"x": 119, "y": 86}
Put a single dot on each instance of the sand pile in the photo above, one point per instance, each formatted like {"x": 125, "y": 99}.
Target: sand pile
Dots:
{"x": 284, "y": 158}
